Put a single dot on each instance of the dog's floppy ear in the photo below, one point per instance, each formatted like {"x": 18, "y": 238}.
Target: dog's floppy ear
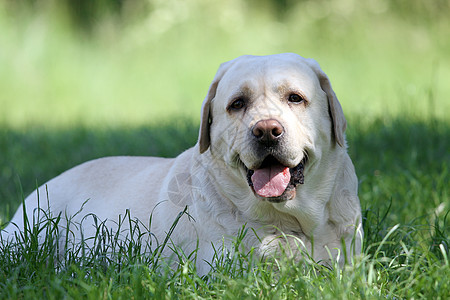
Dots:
{"x": 204, "y": 139}
{"x": 337, "y": 115}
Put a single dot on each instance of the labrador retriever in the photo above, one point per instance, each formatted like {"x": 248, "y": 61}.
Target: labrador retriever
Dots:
{"x": 271, "y": 156}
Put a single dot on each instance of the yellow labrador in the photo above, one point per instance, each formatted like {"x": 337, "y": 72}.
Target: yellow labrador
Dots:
{"x": 271, "y": 155}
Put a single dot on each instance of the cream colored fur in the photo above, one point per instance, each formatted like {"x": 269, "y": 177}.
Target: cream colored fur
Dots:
{"x": 210, "y": 178}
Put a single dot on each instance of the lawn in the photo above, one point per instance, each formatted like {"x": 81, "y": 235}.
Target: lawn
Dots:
{"x": 121, "y": 87}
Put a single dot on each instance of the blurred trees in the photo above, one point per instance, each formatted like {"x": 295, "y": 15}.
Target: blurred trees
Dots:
{"x": 86, "y": 13}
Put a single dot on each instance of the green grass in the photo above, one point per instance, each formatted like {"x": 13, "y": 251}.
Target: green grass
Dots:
{"x": 67, "y": 97}
{"x": 403, "y": 171}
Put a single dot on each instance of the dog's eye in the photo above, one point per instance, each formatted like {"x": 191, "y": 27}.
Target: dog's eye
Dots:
{"x": 295, "y": 98}
{"x": 237, "y": 104}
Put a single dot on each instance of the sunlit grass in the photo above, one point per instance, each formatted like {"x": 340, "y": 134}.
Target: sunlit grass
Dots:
{"x": 394, "y": 265}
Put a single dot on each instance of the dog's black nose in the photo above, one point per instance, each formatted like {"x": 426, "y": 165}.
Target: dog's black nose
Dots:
{"x": 268, "y": 131}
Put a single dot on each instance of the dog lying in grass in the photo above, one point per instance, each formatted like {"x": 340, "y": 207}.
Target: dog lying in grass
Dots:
{"x": 271, "y": 156}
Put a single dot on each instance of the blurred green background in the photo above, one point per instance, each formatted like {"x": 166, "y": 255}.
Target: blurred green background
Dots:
{"x": 84, "y": 79}
{"x": 131, "y": 62}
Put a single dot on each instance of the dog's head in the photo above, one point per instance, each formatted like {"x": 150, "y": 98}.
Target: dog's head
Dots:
{"x": 267, "y": 117}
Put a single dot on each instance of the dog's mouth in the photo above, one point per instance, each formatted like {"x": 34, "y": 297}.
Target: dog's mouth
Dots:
{"x": 274, "y": 181}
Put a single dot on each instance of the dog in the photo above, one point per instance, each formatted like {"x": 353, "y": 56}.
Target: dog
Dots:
{"x": 271, "y": 156}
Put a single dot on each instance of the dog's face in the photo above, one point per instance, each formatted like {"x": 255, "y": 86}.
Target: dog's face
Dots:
{"x": 269, "y": 117}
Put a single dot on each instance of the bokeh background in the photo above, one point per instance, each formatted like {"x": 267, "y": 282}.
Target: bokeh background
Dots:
{"x": 84, "y": 79}
{"x": 131, "y": 62}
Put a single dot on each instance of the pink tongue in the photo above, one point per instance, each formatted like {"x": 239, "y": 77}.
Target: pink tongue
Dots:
{"x": 271, "y": 181}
